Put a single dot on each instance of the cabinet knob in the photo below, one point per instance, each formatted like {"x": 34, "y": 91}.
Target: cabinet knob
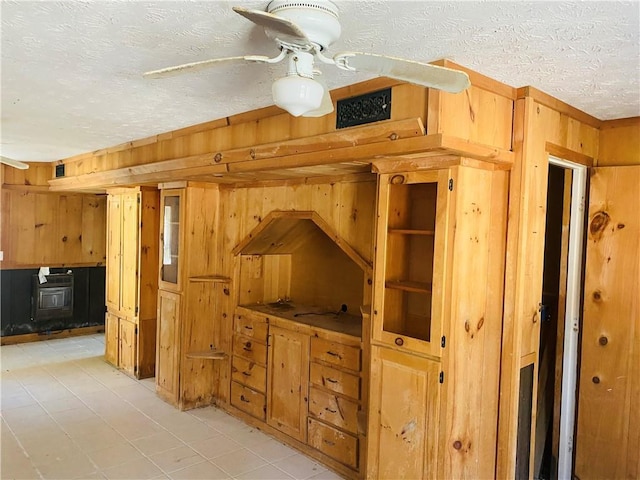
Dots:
{"x": 399, "y": 341}
{"x": 603, "y": 340}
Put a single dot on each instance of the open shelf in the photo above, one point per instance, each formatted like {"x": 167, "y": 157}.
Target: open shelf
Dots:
{"x": 207, "y": 355}
{"x": 409, "y": 231}
{"x": 418, "y": 287}
{"x": 210, "y": 279}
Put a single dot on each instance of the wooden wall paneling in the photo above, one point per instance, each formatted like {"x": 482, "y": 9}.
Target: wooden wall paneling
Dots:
{"x": 114, "y": 237}
{"x": 47, "y": 242}
{"x": 38, "y": 174}
{"x": 94, "y": 212}
{"x": 561, "y": 129}
{"x": 408, "y": 101}
{"x": 608, "y": 431}
{"x": 200, "y": 227}
{"x": 6, "y": 228}
{"x": 619, "y": 143}
{"x": 23, "y": 228}
{"x": 70, "y": 231}
{"x": 476, "y": 324}
{"x": 478, "y": 115}
{"x": 280, "y": 128}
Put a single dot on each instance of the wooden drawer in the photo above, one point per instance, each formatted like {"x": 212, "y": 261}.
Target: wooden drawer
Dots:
{"x": 334, "y": 443}
{"x": 249, "y": 373}
{"x": 251, "y": 326}
{"x": 248, "y": 400}
{"x": 250, "y": 348}
{"x": 335, "y": 353}
{"x": 333, "y": 409}
{"x": 336, "y": 380}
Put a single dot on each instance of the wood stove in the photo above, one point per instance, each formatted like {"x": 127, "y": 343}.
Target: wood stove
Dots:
{"x": 52, "y": 299}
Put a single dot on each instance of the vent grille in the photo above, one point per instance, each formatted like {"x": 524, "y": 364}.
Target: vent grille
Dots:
{"x": 367, "y": 108}
{"x": 60, "y": 170}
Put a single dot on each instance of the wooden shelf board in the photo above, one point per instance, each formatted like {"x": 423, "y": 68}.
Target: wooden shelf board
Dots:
{"x": 418, "y": 287}
{"x": 207, "y": 355}
{"x": 210, "y": 278}
{"x": 410, "y": 231}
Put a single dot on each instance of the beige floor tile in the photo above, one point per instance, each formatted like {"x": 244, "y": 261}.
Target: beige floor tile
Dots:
{"x": 326, "y": 475}
{"x": 156, "y": 443}
{"x": 238, "y": 462}
{"x": 248, "y": 436}
{"x": 115, "y": 455}
{"x": 192, "y": 433}
{"x": 19, "y": 467}
{"x": 73, "y": 465}
{"x": 299, "y": 466}
{"x": 273, "y": 450}
{"x": 139, "y": 469}
{"x": 199, "y": 471}
{"x": 176, "y": 458}
{"x": 215, "y": 446}
{"x": 266, "y": 472}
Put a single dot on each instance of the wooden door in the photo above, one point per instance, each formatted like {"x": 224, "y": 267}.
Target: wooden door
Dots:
{"x": 608, "y": 433}
{"x": 128, "y": 348}
{"x": 168, "y": 346}
{"x": 114, "y": 229}
{"x": 403, "y": 416}
{"x": 287, "y": 381}
{"x": 130, "y": 259}
{"x": 111, "y": 338}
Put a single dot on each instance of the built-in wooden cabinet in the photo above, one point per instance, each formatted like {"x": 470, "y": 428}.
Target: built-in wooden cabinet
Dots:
{"x": 132, "y": 279}
{"x": 437, "y": 322}
{"x": 287, "y": 379}
{"x": 190, "y": 296}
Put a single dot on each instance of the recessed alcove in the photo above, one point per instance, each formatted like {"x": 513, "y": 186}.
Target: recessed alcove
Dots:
{"x": 294, "y": 265}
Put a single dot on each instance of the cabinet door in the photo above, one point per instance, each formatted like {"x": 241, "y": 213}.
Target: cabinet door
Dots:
{"x": 128, "y": 351}
{"x": 168, "y": 350}
{"x": 403, "y": 415}
{"x": 130, "y": 260}
{"x": 111, "y": 338}
{"x": 171, "y": 215}
{"x": 411, "y": 258}
{"x": 287, "y": 382}
{"x": 114, "y": 229}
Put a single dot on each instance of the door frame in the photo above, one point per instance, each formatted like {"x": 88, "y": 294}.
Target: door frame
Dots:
{"x": 573, "y": 311}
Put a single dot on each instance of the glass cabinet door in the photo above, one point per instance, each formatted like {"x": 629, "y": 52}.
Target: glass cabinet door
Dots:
{"x": 410, "y": 251}
{"x": 170, "y": 238}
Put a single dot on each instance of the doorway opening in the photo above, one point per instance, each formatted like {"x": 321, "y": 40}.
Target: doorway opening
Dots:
{"x": 560, "y": 319}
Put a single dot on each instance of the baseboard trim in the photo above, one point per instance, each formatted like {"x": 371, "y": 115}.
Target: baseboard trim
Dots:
{"x": 37, "y": 337}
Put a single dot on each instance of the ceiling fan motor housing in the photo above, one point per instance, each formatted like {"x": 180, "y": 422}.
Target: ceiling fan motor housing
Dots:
{"x": 317, "y": 19}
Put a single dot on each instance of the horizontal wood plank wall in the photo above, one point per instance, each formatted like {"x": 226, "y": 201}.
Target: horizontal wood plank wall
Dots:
{"x": 52, "y": 229}
{"x": 37, "y": 174}
{"x": 245, "y": 130}
{"x": 536, "y": 126}
{"x": 619, "y": 143}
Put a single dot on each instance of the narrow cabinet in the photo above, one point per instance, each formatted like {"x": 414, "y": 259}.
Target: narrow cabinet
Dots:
{"x": 287, "y": 381}
{"x": 191, "y": 297}
{"x": 437, "y": 322}
{"x": 403, "y": 433}
{"x": 131, "y": 279}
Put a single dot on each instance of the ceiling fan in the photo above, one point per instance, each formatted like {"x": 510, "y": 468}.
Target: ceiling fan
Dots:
{"x": 14, "y": 163}
{"x": 303, "y": 31}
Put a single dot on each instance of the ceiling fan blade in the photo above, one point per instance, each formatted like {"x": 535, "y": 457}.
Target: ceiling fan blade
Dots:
{"x": 14, "y": 163}
{"x": 283, "y": 29}
{"x": 326, "y": 107}
{"x": 425, "y": 74}
{"x": 204, "y": 64}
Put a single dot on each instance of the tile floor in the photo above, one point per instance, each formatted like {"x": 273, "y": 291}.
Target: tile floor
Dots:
{"x": 67, "y": 414}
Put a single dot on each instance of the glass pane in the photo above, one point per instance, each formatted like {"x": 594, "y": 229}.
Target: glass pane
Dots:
{"x": 409, "y": 261}
{"x": 171, "y": 239}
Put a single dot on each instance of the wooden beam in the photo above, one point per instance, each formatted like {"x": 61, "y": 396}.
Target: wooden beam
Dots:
{"x": 568, "y": 154}
{"x": 481, "y": 81}
{"x": 558, "y": 105}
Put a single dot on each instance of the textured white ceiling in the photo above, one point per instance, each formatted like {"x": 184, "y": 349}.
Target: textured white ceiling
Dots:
{"x": 71, "y": 71}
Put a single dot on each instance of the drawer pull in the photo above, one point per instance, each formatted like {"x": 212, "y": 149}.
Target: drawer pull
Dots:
{"x": 247, "y": 346}
{"x": 329, "y": 442}
{"x": 329, "y": 410}
{"x": 331, "y": 380}
{"x": 333, "y": 354}
{"x": 246, "y": 374}
{"x": 244, "y": 399}
{"x": 248, "y": 327}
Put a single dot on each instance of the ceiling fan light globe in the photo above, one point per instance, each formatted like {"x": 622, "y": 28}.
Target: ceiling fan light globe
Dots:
{"x": 297, "y": 95}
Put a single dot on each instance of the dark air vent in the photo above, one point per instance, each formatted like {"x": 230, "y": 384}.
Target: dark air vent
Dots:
{"x": 367, "y": 108}
{"x": 60, "y": 170}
